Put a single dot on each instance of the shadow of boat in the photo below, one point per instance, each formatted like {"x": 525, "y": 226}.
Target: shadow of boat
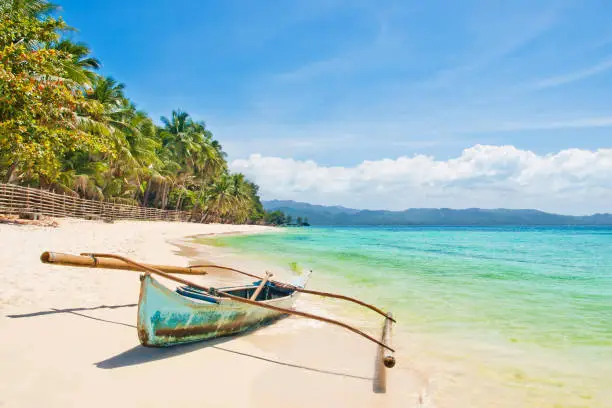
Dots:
{"x": 140, "y": 355}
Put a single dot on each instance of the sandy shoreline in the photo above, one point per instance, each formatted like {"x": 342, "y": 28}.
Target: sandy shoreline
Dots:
{"x": 69, "y": 337}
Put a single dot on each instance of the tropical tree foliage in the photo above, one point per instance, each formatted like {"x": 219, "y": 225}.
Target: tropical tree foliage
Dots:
{"x": 40, "y": 106}
{"x": 65, "y": 127}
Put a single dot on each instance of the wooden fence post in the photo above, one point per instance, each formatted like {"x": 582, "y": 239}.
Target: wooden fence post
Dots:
{"x": 11, "y": 203}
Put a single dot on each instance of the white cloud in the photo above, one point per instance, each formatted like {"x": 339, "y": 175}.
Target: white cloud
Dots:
{"x": 570, "y": 181}
{"x": 575, "y": 76}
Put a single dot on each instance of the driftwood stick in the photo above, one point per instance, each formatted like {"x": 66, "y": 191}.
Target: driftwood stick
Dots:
{"x": 147, "y": 268}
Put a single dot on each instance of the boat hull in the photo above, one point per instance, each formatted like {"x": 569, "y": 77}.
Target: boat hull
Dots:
{"x": 166, "y": 318}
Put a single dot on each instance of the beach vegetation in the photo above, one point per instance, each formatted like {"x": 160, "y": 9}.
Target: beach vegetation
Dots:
{"x": 66, "y": 127}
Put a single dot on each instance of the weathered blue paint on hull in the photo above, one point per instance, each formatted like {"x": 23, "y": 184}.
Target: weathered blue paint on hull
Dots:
{"x": 166, "y": 318}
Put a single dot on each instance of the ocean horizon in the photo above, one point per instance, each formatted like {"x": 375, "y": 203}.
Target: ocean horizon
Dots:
{"x": 484, "y": 313}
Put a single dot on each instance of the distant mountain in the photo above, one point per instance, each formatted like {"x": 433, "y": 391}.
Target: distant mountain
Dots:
{"x": 336, "y": 215}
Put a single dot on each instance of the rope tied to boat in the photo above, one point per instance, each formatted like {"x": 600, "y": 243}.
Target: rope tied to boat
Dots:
{"x": 94, "y": 259}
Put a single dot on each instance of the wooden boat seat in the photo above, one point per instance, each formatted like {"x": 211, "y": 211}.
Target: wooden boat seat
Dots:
{"x": 193, "y": 293}
{"x": 270, "y": 291}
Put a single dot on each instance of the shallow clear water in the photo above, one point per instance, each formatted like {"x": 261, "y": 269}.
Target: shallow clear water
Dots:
{"x": 524, "y": 311}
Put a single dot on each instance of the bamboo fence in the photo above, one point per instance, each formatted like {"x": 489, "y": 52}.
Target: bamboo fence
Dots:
{"x": 16, "y": 199}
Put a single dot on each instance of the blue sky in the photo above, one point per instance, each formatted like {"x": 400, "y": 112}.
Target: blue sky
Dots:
{"x": 343, "y": 82}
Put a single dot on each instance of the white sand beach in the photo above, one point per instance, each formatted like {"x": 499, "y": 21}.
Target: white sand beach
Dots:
{"x": 69, "y": 337}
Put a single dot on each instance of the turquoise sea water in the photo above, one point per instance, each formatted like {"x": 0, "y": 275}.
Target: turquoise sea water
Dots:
{"x": 523, "y": 311}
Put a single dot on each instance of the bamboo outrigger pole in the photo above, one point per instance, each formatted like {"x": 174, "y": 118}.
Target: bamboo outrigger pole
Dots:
{"x": 384, "y": 358}
{"x": 110, "y": 263}
{"x": 302, "y": 290}
{"x": 59, "y": 259}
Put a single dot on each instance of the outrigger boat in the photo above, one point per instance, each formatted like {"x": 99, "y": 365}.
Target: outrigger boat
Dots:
{"x": 189, "y": 314}
{"x": 194, "y": 312}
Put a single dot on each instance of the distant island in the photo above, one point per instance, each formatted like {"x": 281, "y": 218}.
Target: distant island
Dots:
{"x": 337, "y": 215}
{"x": 277, "y": 217}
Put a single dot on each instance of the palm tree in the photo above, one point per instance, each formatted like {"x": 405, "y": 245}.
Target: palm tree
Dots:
{"x": 178, "y": 147}
{"x": 193, "y": 157}
{"x": 217, "y": 199}
{"x": 142, "y": 140}
{"x": 81, "y": 66}
{"x": 228, "y": 198}
{"x": 241, "y": 198}
{"x": 80, "y": 54}
{"x": 179, "y": 136}
{"x": 210, "y": 159}
{"x": 192, "y": 146}
{"x": 107, "y": 91}
{"x": 131, "y": 134}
